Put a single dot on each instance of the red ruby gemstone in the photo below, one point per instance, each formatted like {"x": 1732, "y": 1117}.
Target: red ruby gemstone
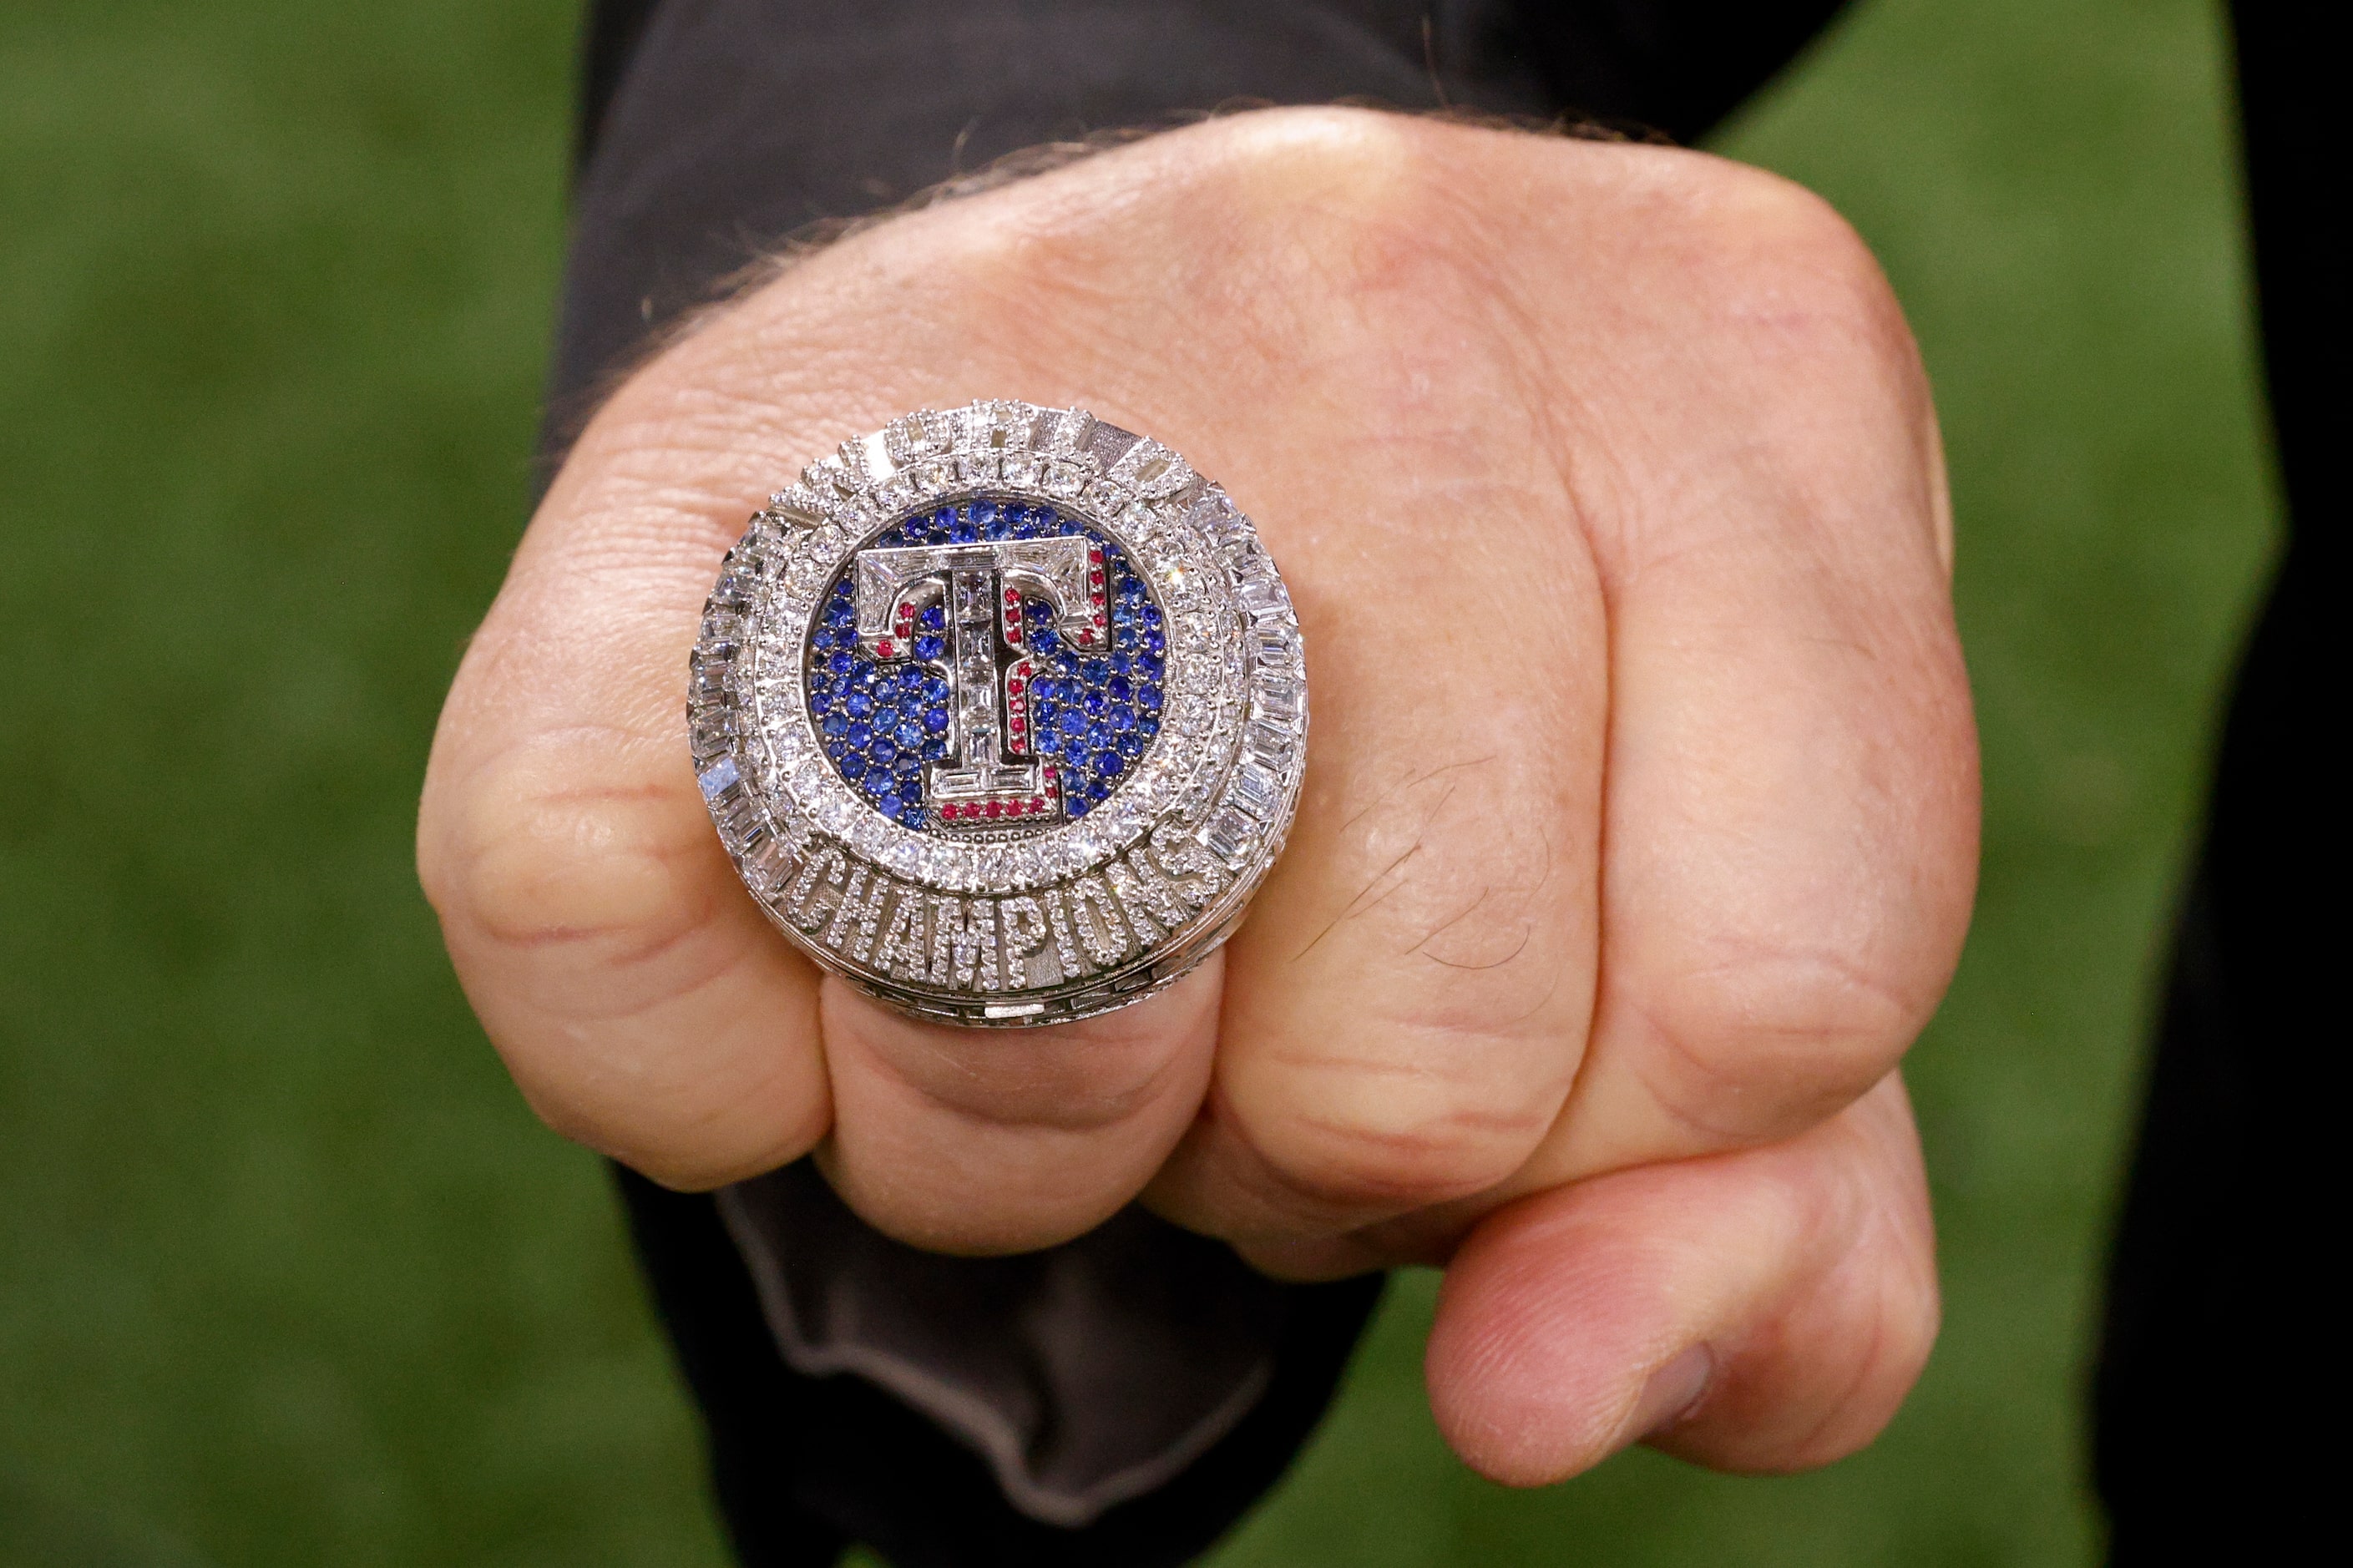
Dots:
{"x": 883, "y": 650}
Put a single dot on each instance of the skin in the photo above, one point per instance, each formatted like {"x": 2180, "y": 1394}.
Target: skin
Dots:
{"x": 1638, "y": 833}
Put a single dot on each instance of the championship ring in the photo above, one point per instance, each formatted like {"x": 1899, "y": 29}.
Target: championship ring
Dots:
{"x": 1001, "y": 714}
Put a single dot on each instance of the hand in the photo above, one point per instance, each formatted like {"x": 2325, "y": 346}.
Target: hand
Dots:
{"x": 1639, "y": 831}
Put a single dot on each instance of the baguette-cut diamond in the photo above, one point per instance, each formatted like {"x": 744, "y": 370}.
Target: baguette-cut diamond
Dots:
{"x": 1270, "y": 743}
{"x": 1276, "y": 700}
{"x": 1256, "y": 790}
{"x": 1230, "y": 835}
{"x": 1263, "y": 597}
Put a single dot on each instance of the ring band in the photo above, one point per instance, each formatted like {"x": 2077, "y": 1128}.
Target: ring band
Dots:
{"x": 1001, "y": 714}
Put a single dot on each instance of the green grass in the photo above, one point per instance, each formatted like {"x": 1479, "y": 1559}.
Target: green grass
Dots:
{"x": 287, "y": 1273}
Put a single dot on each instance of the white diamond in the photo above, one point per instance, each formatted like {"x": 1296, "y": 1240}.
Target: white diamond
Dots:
{"x": 764, "y": 862}
{"x": 1230, "y": 835}
{"x": 1256, "y": 790}
{"x": 1271, "y": 645}
{"x": 1277, "y": 700}
{"x": 1269, "y": 742}
{"x": 719, "y": 776}
{"x": 1261, "y": 596}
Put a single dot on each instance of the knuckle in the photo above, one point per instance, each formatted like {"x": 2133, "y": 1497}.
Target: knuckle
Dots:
{"x": 1769, "y": 1046}
{"x": 1318, "y": 215}
{"x": 1390, "y": 1142}
{"x": 539, "y": 855}
{"x": 1774, "y": 263}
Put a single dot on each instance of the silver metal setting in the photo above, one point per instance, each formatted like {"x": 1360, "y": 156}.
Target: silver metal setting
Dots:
{"x": 1000, "y": 905}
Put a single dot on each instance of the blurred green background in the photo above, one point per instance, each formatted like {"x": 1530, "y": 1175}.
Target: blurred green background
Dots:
{"x": 288, "y": 1275}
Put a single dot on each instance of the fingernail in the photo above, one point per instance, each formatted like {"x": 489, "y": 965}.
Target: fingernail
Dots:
{"x": 1670, "y": 1395}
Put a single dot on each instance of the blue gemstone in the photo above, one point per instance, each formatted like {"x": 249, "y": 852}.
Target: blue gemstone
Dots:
{"x": 1097, "y": 792}
{"x": 891, "y": 808}
{"x": 859, "y": 735}
{"x": 933, "y": 750}
{"x": 932, "y": 620}
{"x": 1109, "y": 763}
{"x": 1150, "y": 665}
{"x": 1150, "y": 612}
{"x": 1043, "y": 640}
{"x": 1122, "y": 613}
{"x": 963, "y": 532}
{"x": 1095, "y": 702}
{"x": 911, "y": 789}
{"x": 820, "y": 688}
{"x": 935, "y": 721}
{"x": 1149, "y": 700}
{"x": 881, "y": 751}
{"x": 930, "y": 645}
{"x": 1128, "y": 745}
{"x": 1123, "y": 662}
{"x": 1123, "y": 719}
{"x": 822, "y": 640}
{"x": 878, "y": 781}
{"x": 909, "y": 734}
{"x": 911, "y": 760}
{"x": 1095, "y": 671}
{"x": 841, "y": 664}
{"x": 837, "y": 751}
{"x": 1050, "y": 742}
{"x": 1073, "y": 722}
{"x": 1147, "y": 727}
{"x": 836, "y": 726}
{"x": 1099, "y": 733}
{"x": 1155, "y": 644}
{"x": 860, "y": 703}
{"x": 1076, "y": 804}
{"x": 1119, "y": 689}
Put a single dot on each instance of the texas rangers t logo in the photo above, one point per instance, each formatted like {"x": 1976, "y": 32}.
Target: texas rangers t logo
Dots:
{"x": 969, "y": 611}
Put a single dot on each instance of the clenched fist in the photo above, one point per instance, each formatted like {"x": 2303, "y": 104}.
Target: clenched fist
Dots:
{"x": 1639, "y": 831}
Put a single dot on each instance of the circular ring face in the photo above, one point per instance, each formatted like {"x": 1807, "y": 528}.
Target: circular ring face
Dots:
{"x": 1001, "y": 713}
